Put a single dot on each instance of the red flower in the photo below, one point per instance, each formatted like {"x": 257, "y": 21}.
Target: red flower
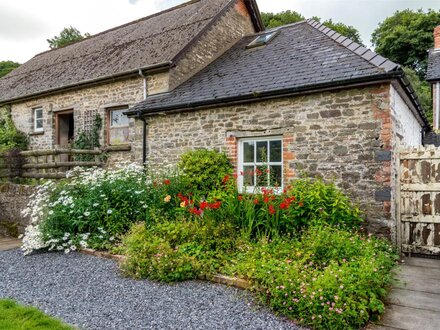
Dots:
{"x": 284, "y": 205}
{"x": 266, "y": 199}
{"x": 240, "y": 198}
{"x": 195, "y": 211}
{"x": 167, "y": 182}
{"x": 300, "y": 204}
{"x": 272, "y": 209}
{"x": 215, "y": 205}
{"x": 226, "y": 179}
{"x": 235, "y": 175}
{"x": 256, "y": 201}
{"x": 204, "y": 205}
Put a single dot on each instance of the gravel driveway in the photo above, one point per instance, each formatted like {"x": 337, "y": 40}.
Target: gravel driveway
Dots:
{"x": 90, "y": 293}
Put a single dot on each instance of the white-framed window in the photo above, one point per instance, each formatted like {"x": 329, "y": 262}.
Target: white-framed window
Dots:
{"x": 118, "y": 126}
{"x": 260, "y": 163}
{"x": 38, "y": 120}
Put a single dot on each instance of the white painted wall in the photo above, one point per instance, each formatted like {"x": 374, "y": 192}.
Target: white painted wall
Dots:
{"x": 406, "y": 126}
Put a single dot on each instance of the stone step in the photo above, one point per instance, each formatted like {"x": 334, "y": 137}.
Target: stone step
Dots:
{"x": 415, "y": 299}
{"x": 408, "y": 318}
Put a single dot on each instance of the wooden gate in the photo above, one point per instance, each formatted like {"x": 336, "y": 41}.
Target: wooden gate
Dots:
{"x": 418, "y": 200}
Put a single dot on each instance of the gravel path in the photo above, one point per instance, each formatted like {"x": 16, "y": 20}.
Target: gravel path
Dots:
{"x": 89, "y": 292}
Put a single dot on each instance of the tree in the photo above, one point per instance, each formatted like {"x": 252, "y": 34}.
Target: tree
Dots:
{"x": 423, "y": 90}
{"x": 346, "y": 30}
{"x": 272, "y": 20}
{"x": 67, "y": 36}
{"x": 406, "y": 37}
{"x": 7, "y": 66}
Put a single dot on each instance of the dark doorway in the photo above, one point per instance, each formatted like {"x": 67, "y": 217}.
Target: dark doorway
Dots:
{"x": 65, "y": 127}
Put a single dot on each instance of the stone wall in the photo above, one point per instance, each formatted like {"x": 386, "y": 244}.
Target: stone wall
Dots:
{"x": 233, "y": 24}
{"x": 339, "y": 136}
{"x": 86, "y": 103}
{"x": 13, "y": 199}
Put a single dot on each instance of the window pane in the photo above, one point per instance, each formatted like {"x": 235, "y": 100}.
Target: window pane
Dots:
{"x": 275, "y": 151}
{"x": 38, "y": 114}
{"x": 117, "y": 118}
{"x": 248, "y": 173}
{"x": 261, "y": 152}
{"x": 262, "y": 176}
{"x": 248, "y": 152}
{"x": 39, "y": 123}
{"x": 276, "y": 176}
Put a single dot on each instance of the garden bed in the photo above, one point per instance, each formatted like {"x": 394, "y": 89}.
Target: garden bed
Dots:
{"x": 300, "y": 249}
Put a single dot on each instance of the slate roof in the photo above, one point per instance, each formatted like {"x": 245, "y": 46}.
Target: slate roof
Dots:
{"x": 433, "y": 72}
{"x": 303, "y": 56}
{"x": 146, "y": 42}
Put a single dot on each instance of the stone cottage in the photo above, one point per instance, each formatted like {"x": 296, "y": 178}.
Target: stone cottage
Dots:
{"x": 300, "y": 98}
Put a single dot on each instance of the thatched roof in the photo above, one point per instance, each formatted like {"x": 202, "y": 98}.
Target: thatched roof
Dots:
{"x": 150, "y": 41}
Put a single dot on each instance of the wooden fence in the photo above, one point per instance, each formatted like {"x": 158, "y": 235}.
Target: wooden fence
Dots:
{"x": 418, "y": 200}
{"x": 47, "y": 164}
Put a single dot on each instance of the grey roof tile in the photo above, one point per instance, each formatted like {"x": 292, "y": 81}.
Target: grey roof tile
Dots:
{"x": 301, "y": 55}
{"x": 433, "y": 72}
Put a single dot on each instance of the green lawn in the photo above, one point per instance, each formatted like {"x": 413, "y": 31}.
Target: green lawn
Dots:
{"x": 17, "y": 317}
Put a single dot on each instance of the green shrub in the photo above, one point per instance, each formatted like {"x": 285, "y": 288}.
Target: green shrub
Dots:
{"x": 10, "y": 137}
{"x": 94, "y": 206}
{"x": 329, "y": 279}
{"x": 174, "y": 251}
{"x": 204, "y": 169}
{"x": 269, "y": 214}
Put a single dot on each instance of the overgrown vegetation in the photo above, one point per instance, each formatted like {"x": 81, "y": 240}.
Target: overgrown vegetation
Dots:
{"x": 204, "y": 169}
{"x": 299, "y": 247}
{"x": 7, "y": 66}
{"x": 10, "y": 136}
{"x": 17, "y": 317}
{"x": 273, "y": 20}
{"x": 66, "y": 37}
{"x": 88, "y": 140}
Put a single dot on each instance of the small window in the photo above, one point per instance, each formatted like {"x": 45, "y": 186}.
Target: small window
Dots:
{"x": 260, "y": 163}
{"x": 262, "y": 39}
{"x": 38, "y": 120}
{"x": 118, "y": 126}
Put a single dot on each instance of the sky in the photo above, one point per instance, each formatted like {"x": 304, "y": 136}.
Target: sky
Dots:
{"x": 25, "y": 25}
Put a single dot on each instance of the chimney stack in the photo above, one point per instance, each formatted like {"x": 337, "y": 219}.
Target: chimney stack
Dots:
{"x": 437, "y": 37}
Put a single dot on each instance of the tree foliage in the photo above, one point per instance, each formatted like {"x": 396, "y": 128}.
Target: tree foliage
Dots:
{"x": 422, "y": 89}
{"x": 7, "y": 66}
{"x": 67, "y": 36}
{"x": 406, "y": 36}
{"x": 272, "y": 20}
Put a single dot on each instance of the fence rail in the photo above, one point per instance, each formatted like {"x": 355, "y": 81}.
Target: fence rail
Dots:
{"x": 47, "y": 164}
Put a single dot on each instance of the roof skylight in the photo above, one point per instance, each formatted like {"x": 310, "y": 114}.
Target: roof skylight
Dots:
{"x": 263, "y": 39}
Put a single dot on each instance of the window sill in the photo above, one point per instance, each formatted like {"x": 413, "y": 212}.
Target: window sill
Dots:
{"x": 122, "y": 147}
{"x": 36, "y": 133}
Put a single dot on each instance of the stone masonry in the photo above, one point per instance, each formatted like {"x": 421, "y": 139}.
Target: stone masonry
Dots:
{"x": 13, "y": 199}
{"x": 222, "y": 35}
{"x": 334, "y": 135}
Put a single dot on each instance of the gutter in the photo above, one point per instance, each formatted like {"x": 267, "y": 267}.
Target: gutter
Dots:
{"x": 91, "y": 82}
{"x": 259, "y": 96}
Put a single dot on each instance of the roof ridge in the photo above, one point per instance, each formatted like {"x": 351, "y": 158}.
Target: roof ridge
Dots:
{"x": 187, "y": 3}
{"x": 365, "y": 53}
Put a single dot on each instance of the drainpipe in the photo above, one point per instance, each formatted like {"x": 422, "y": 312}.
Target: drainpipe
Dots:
{"x": 139, "y": 116}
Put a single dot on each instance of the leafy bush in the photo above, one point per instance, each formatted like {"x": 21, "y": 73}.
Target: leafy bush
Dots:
{"x": 329, "y": 279}
{"x": 268, "y": 214}
{"x": 176, "y": 251}
{"x": 204, "y": 169}
{"x": 10, "y": 137}
{"x": 93, "y": 206}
